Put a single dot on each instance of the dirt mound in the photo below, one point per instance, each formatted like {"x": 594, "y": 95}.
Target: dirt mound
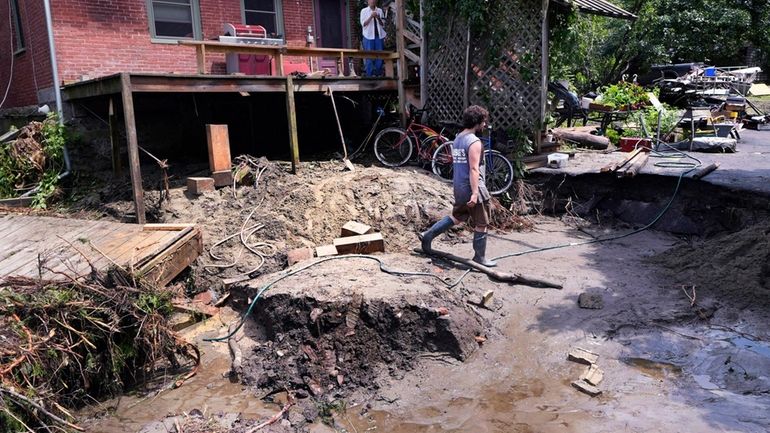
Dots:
{"x": 733, "y": 266}
{"x": 338, "y": 327}
{"x": 310, "y": 208}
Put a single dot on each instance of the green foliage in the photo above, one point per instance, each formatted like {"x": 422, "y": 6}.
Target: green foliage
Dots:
{"x": 35, "y": 159}
{"x": 624, "y": 95}
{"x": 155, "y": 302}
{"x": 669, "y": 117}
{"x": 522, "y": 146}
{"x": 591, "y": 51}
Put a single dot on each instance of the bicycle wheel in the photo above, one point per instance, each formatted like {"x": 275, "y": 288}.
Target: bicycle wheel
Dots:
{"x": 442, "y": 163}
{"x": 393, "y": 147}
{"x": 499, "y": 172}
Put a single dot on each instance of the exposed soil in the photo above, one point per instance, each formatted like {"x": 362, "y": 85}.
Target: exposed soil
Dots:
{"x": 340, "y": 325}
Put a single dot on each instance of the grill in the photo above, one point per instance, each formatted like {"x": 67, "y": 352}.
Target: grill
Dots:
{"x": 248, "y": 64}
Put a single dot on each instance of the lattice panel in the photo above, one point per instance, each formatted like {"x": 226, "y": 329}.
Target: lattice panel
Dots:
{"x": 510, "y": 87}
{"x": 446, "y": 73}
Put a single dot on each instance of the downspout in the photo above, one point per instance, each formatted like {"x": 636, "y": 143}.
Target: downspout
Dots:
{"x": 57, "y": 93}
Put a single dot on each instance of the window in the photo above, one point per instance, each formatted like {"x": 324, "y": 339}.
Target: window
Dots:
{"x": 174, "y": 19}
{"x": 265, "y": 13}
{"x": 18, "y": 31}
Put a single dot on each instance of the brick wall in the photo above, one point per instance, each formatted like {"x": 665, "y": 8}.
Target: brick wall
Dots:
{"x": 32, "y": 67}
{"x": 101, "y": 37}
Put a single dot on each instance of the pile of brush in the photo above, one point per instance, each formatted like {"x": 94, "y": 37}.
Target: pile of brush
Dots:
{"x": 66, "y": 344}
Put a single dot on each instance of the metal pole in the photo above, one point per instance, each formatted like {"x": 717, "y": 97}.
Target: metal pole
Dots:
{"x": 54, "y": 64}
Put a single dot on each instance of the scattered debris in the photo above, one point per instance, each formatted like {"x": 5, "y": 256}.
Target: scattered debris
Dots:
{"x": 326, "y": 251}
{"x": 582, "y": 356}
{"x": 355, "y": 228}
{"x": 593, "y": 375}
{"x": 586, "y": 388}
{"x": 487, "y": 297}
{"x": 299, "y": 255}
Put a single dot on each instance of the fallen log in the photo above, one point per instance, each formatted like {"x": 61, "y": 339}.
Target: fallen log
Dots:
{"x": 586, "y": 139}
{"x": 635, "y": 167}
{"x": 492, "y": 273}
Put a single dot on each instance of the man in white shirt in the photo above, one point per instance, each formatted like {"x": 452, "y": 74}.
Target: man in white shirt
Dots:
{"x": 372, "y": 24}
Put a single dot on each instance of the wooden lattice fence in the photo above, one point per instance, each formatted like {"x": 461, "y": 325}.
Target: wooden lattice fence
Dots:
{"x": 509, "y": 86}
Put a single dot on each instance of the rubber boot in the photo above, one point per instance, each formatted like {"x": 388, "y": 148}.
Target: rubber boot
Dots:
{"x": 427, "y": 237}
{"x": 480, "y": 248}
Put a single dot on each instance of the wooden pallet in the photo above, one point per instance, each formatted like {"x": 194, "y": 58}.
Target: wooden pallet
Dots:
{"x": 61, "y": 248}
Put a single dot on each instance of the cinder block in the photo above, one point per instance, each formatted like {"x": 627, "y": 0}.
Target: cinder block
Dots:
{"x": 199, "y": 185}
{"x": 299, "y": 255}
{"x": 593, "y": 375}
{"x": 364, "y": 244}
{"x": 355, "y": 228}
{"x": 219, "y": 147}
{"x": 222, "y": 178}
{"x": 326, "y": 251}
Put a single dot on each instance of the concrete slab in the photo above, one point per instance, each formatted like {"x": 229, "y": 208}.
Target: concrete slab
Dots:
{"x": 747, "y": 170}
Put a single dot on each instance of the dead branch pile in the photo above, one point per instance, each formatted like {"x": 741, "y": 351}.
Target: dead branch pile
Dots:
{"x": 65, "y": 344}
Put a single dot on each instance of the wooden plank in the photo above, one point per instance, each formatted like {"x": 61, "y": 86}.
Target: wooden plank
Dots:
{"x": 166, "y": 265}
{"x": 219, "y": 148}
{"x": 178, "y": 227}
{"x": 279, "y": 65}
{"x": 411, "y": 56}
{"x": 389, "y": 71}
{"x": 363, "y": 244}
{"x": 117, "y": 166}
{"x": 292, "y": 116}
{"x": 17, "y": 202}
{"x": 137, "y": 248}
{"x": 167, "y": 244}
{"x": 423, "y": 57}
{"x": 326, "y": 251}
{"x": 355, "y": 228}
{"x": 200, "y": 52}
{"x": 133, "y": 147}
{"x": 267, "y": 50}
{"x": 635, "y": 167}
{"x": 411, "y": 36}
{"x": 401, "y": 63}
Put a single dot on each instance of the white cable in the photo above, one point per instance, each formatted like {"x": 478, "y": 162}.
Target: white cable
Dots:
{"x": 10, "y": 33}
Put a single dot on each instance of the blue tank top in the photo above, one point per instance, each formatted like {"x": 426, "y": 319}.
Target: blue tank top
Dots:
{"x": 462, "y": 170}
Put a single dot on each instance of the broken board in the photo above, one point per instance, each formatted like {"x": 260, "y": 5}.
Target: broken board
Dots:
{"x": 63, "y": 248}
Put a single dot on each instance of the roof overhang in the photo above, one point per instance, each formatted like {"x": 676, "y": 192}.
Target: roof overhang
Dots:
{"x": 598, "y": 7}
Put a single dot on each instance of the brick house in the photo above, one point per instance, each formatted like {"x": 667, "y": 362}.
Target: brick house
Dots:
{"x": 95, "y": 38}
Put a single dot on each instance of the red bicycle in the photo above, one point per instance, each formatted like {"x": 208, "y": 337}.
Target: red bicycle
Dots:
{"x": 393, "y": 146}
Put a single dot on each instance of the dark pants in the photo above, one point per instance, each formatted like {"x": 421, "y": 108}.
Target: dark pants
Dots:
{"x": 373, "y": 66}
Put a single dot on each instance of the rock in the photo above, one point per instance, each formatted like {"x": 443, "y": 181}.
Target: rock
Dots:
{"x": 204, "y": 298}
{"x": 310, "y": 413}
{"x": 593, "y": 375}
{"x": 285, "y": 423}
{"x": 296, "y": 418}
{"x": 591, "y": 301}
{"x": 228, "y": 420}
{"x": 299, "y": 255}
{"x": 586, "y": 388}
{"x": 486, "y": 298}
{"x": 582, "y": 356}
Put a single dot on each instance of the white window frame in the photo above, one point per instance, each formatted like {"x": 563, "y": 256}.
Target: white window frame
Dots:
{"x": 196, "y": 23}
{"x": 279, "y": 28}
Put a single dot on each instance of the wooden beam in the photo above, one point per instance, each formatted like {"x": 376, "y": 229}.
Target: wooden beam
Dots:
{"x": 412, "y": 56}
{"x": 279, "y": 65}
{"x": 292, "y": 116}
{"x": 219, "y": 148}
{"x": 423, "y": 57}
{"x": 412, "y": 37}
{"x": 401, "y": 64}
{"x": 544, "y": 80}
{"x": 117, "y": 165}
{"x": 133, "y": 147}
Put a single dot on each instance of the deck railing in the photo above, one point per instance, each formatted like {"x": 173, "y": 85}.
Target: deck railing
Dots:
{"x": 277, "y": 53}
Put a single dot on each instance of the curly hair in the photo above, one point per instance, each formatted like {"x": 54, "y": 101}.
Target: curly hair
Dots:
{"x": 474, "y": 116}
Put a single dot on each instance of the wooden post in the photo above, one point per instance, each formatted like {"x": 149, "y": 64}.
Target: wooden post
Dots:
{"x": 201, "y": 54}
{"x": 117, "y": 165}
{"x": 279, "y": 65}
{"x": 423, "y": 57}
{"x": 467, "y": 80}
{"x": 292, "y": 116}
{"x": 133, "y": 146}
{"x": 218, "y": 141}
{"x": 544, "y": 52}
{"x": 401, "y": 63}
{"x": 389, "y": 68}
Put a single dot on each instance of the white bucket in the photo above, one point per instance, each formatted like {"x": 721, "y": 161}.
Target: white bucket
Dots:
{"x": 557, "y": 160}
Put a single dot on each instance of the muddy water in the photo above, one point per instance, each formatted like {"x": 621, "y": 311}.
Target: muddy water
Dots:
{"x": 208, "y": 391}
{"x": 658, "y": 378}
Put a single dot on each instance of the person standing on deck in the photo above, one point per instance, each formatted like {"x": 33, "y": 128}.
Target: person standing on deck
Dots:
{"x": 470, "y": 191}
{"x": 372, "y": 24}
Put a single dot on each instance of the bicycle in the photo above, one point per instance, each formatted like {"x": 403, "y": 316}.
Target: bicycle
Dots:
{"x": 499, "y": 172}
{"x": 393, "y": 146}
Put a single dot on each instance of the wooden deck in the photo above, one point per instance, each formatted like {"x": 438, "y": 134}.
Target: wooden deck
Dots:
{"x": 59, "y": 248}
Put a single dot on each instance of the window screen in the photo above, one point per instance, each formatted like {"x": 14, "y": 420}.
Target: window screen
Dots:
{"x": 173, "y": 18}
{"x": 264, "y": 13}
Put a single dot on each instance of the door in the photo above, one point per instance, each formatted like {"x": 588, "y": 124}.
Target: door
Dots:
{"x": 331, "y": 29}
